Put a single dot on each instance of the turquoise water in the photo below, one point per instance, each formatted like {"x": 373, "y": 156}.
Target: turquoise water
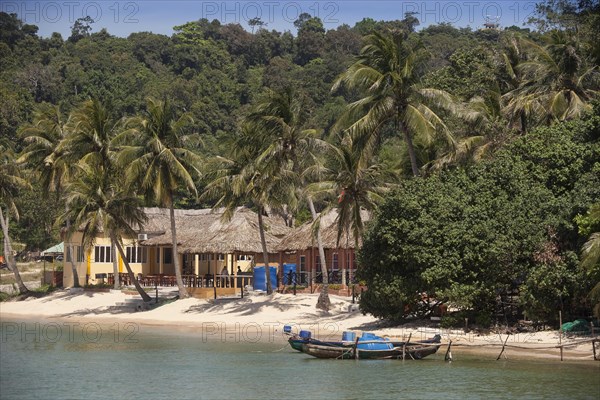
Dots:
{"x": 131, "y": 362}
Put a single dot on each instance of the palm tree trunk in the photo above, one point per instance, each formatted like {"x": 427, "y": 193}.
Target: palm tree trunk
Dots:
{"x": 523, "y": 117}
{"x": 140, "y": 290}
{"x": 73, "y": 267}
{"x": 263, "y": 242}
{"x": 411, "y": 150}
{"x": 117, "y": 283}
{"x": 8, "y": 254}
{"x": 323, "y": 303}
{"x": 182, "y": 290}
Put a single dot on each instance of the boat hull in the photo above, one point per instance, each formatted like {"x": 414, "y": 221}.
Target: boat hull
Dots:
{"x": 408, "y": 352}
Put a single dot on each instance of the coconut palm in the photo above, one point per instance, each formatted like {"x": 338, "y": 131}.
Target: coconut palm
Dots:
{"x": 557, "y": 83}
{"x": 41, "y": 153}
{"x": 10, "y": 184}
{"x": 356, "y": 181}
{"x": 282, "y": 117}
{"x": 240, "y": 179}
{"x": 90, "y": 132}
{"x": 99, "y": 203}
{"x": 387, "y": 73}
{"x": 159, "y": 163}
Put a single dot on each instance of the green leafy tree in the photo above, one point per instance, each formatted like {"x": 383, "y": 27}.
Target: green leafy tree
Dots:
{"x": 470, "y": 237}
{"x": 589, "y": 225}
{"x": 81, "y": 28}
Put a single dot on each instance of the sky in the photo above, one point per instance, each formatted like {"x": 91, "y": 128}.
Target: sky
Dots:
{"x": 160, "y": 16}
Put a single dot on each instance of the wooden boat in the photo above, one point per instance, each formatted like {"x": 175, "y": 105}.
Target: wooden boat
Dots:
{"x": 367, "y": 346}
{"x": 408, "y": 351}
{"x": 296, "y": 342}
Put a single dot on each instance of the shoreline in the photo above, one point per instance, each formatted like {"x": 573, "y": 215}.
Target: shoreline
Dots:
{"x": 266, "y": 315}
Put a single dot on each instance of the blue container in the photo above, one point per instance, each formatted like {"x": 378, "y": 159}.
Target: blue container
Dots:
{"x": 305, "y": 334}
{"x": 260, "y": 280}
{"x": 287, "y": 329}
{"x": 348, "y": 336}
{"x": 287, "y": 278}
{"x": 369, "y": 337}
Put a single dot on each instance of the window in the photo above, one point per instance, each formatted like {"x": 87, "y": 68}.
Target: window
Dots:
{"x": 167, "y": 255}
{"x": 136, "y": 254}
{"x": 318, "y": 264}
{"x": 221, "y": 257}
{"x": 334, "y": 263}
{"x": 157, "y": 251}
{"x": 102, "y": 254}
{"x": 79, "y": 253}
{"x": 302, "y": 263}
{"x": 68, "y": 253}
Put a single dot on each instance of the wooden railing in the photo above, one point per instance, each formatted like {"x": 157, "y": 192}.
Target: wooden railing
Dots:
{"x": 207, "y": 280}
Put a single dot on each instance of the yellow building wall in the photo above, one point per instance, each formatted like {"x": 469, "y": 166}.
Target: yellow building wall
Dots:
{"x": 88, "y": 268}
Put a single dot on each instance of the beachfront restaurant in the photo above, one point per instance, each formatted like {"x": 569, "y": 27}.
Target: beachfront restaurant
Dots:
{"x": 213, "y": 253}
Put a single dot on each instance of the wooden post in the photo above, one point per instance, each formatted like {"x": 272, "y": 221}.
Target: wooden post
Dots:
{"x": 560, "y": 334}
{"x": 404, "y": 347}
{"x": 594, "y": 349}
{"x": 448, "y": 356}
{"x": 503, "y": 346}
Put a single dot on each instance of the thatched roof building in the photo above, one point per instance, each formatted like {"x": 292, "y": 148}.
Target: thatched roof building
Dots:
{"x": 303, "y": 237}
{"x": 205, "y": 231}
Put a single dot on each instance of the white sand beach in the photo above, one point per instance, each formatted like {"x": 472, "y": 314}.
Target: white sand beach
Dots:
{"x": 268, "y": 314}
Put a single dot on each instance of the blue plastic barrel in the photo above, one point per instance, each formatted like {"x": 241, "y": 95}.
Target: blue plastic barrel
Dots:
{"x": 260, "y": 281}
{"x": 287, "y": 329}
{"x": 348, "y": 336}
{"x": 305, "y": 334}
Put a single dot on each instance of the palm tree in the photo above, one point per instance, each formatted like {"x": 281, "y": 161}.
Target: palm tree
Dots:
{"x": 41, "y": 154}
{"x": 357, "y": 182}
{"x": 557, "y": 83}
{"x": 159, "y": 163}
{"x": 387, "y": 71}
{"x": 282, "y": 117}
{"x": 90, "y": 132}
{"x": 242, "y": 180}
{"x": 10, "y": 184}
{"x": 99, "y": 203}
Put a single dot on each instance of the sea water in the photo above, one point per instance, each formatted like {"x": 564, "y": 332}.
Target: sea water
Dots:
{"x": 69, "y": 360}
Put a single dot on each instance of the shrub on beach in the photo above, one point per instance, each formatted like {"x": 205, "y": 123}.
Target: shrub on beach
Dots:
{"x": 478, "y": 237}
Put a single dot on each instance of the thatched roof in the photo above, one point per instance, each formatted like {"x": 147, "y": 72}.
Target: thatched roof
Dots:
{"x": 204, "y": 231}
{"x": 302, "y": 238}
